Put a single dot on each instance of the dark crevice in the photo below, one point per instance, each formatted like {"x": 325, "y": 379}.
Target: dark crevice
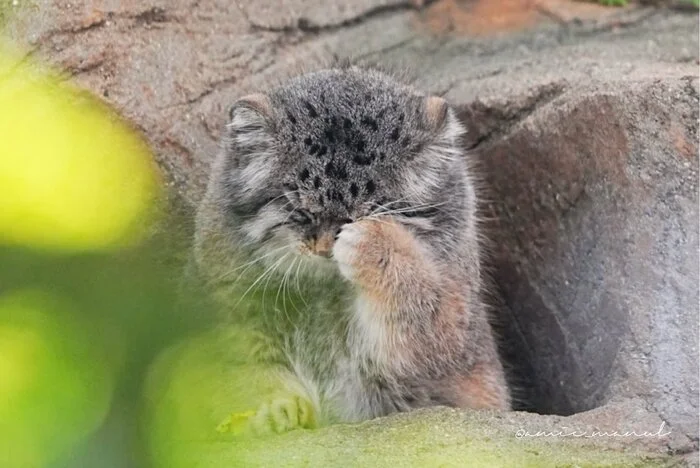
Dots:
{"x": 86, "y": 68}
{"x": 386, "y": 49}
{"x": 98, "y": 23}
{"x": 146, "y": 17}
{"x": 211, "y": 87}
{"x": 306, "y": 26}
{"x": 152, "y": 15}
{"x": 504, "y": 124}
{"x": 614, "y": 24}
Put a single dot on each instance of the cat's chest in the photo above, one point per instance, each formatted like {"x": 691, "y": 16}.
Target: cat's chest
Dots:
{"x": 375, "y": 339}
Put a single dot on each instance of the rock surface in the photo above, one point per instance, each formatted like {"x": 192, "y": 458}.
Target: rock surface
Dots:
{"x": 584, "y": 131}
{"x": 441, "y": 437}
{"x": 191, "y": 393}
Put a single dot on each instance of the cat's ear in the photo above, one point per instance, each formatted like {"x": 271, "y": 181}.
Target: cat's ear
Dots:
{"x": 441, "y": 121}
{"x": 249, "y": 129}
{"x": 252, "y": 104}
{"x": 435, "y": 112}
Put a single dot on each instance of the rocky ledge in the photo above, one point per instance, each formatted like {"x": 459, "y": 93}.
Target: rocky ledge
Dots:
{"x": 583, "y": 123}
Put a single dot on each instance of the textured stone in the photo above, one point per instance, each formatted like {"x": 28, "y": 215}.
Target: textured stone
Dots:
{"x": 595, "y": 244}
{"x": 584, "y": 132}
{"x": 190, "y": 387}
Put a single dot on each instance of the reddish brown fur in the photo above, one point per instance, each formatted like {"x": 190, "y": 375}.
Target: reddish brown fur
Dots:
{"x": 397, "y": 274}
{"x": 482, "y": 388}
{"x": 385, "y": 256}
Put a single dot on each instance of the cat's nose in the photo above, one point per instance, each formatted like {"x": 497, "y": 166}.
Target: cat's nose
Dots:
{"x": 323, "y": 245}
{"x": 322, "y": 240}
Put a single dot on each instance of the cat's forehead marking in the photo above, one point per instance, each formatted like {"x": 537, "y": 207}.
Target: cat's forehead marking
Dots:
{"x": 367, "y": 117}
{"x": 346, "y": 137}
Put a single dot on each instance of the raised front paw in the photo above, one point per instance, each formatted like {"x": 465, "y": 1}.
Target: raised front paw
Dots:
{"x": 366, "y": 249}
{"x": 346, "y": 250}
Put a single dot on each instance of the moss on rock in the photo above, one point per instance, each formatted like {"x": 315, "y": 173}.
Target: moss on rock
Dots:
{"x": 188, "y": 396}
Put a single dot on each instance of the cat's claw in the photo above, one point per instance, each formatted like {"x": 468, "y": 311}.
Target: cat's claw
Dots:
{"x": 277, "y": 416}
{"x": 282, "y": 415}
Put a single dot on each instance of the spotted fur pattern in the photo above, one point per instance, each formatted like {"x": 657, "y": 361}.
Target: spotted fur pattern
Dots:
{"x": 342, "y": 199}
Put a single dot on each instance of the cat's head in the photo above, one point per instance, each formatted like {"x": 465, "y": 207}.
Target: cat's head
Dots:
{"x": 331, "y": 147}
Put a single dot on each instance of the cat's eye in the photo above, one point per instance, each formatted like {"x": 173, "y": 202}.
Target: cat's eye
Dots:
{"x": 343, "y": 222}
{"x": 427, "y": 212}
{"x": 301, "y": 217}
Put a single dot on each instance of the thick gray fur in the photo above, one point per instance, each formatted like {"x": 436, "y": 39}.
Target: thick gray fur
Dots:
{"x": 320, "y": 151}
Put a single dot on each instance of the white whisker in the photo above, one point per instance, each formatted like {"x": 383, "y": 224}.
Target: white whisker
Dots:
{"x": 301, "y": 296}
{"x": 281, "y": 288}
{"x": 386, "y": 206}
{"x": 408, "y": 209}
{"x": 269, "y": 270}
{"x": 285, "y": 289}
{"x": 249, "y": 264}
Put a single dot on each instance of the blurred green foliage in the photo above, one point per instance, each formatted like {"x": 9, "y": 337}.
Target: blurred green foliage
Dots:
{"x": 104, "y": 359}
{"x": 75, "y": 176}
{"x": 5, "y": 9}
{"x": 52, "y": 378}
{"x": 89, "y": 275}
{"x": 93, "y": 315}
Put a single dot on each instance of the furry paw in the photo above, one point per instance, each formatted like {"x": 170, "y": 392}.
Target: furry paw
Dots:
{"x": 367, "y": 251}
{"x": 345, "y": 249}
{"x": 277, "y": 416}
{"x": 282, "y": 415}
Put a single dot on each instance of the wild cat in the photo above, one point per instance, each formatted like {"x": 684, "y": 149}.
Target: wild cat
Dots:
{"x": 342, "y": 203}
